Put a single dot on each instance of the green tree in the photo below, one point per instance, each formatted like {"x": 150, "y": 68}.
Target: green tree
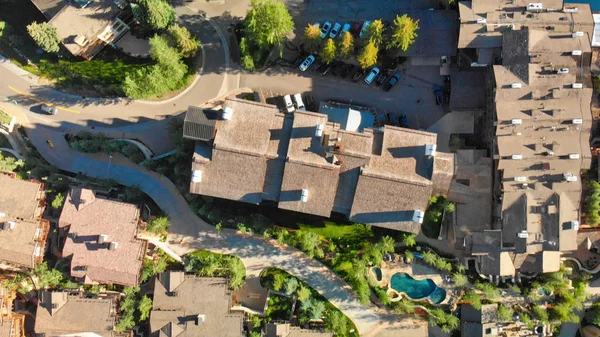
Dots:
{"x": 404, "y": 306}
{"x": 404, "y": 32}
{"x": 374, "y": 33}
{"x": 460, "y": 280}
{"x": 237, "y": 272}
{"x": 248, "y": 63}
{"x": 145, "y": 306}
{"x": 303, "y": 293}
{"x": 157, "y": 14}
{"x": 336, "y": 322}
{"x": 5, "y": 30}
{"x": 328, "y": 52}
{"x": 291, "y": 284}
{"x": 429, "y": 257}
{"x": 45, "y": 36}
{"x": 219, "y": 228}
{"x": 46, "y": 278}
{"x": 317, "y": 310}
{"x": 311, "y": 37}
{"x": 368, "y": 56}
{"x": 159, "y": 225}
{"x": 309, "y": 243}
{"x": 409, "y": 239}
{"x": 387, "y": 244}
{"x": 540, "y": 314}
{"x": 267, "y": 23}
{"x": 58, "y": 201}
{"x": 183, "y": 40}
{"x": 504, "y": 313}
{"x": 254, "y": 334}
{"x": 472, "y": 298}
{"x": 346, "y": 46}
{"x": 489, "y": 290}
{"x": 278, "y": 282}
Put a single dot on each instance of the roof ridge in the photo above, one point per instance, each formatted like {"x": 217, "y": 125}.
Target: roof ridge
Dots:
{"x": 330, "y": 167}
{"x": 396, "y": 179}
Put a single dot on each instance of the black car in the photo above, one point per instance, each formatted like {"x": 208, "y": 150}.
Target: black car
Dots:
{"x": 318, "y": 65}
{"x": 358, "y": 75}
{"x": 392, "y": 82}
{"x": 382, "y": 78}
{"x": 347, "y": 70}
{"x": 326, "y": 69}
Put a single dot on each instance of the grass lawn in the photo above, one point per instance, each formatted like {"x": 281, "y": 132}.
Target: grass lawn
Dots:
{"x": 346, "y": 234}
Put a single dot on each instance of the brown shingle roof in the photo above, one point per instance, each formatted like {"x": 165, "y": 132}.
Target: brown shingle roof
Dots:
{"x": 59, "y": 313}
{"x": 191, "y": 296}
{"x": 199, "y": 124}
{"x": 20, "y": 198}
{"x": 23, "y": 245}
{"x": 89, "y": 216}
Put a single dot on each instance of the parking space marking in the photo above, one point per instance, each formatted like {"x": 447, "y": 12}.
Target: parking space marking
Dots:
{"x": 39, "y": 101}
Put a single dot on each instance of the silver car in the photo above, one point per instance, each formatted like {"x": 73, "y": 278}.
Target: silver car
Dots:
{"x": 49, "y": 109}
{"x": 307, "y": 62}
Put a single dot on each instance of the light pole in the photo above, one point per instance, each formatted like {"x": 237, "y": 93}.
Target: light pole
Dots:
{"x": 109, "y": 161}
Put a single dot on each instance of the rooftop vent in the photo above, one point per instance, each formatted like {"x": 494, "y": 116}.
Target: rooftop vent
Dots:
{"x": 563, "y": 71}
{"x": 517, "y": 156}
{"x": 577, "y": 85}
{"x": 574, "y": 225}
{"x": 569, "y": 177}
{"x": 516, "y": 85}
{"x": 517, "y": 121}
{"x": 573, "y": 155}
{"x": 576, "y": 52}
{"x": 521, "y": 179}
{"x": 200, "y": 319}
{"x": 578, "y": 34}
{"x": 577, "y": 121}
{"x": 304, "y": 195}
{"x": 571, "y": 10}
{"x": 113, "y": 245}
{"x": 197, "y": 176}
{"x": 102, "y": 238}
{"x": 227, "y": 113}
{"x": 9, "y": 225}
{"x": 481, "y": 21}
{"x": 81, "y": 40}
{"x": 430, "y": 150}
{"x": 2, "y": 215}
{"x": 418, "y": 216}
{"x": 535, "y": 6}
{"x": 319, "y": 130}
{"x": 523, "y": 234}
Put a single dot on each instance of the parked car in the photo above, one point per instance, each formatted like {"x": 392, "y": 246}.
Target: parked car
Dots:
{"x": 347, "y": 70}
{"x": 355, "y": 29}
{"x": 326, "y": 69}
{"x": 299, "y": 103}
{"x": 335, "y": 30}
{"x": 403, "y": 121}
{"x": 49, "y": 109}
{"x": 358, "y": 75}
{"x": 325, "y": 29}
{"x": 372, "y": 74}
{"x": 439, "y": 96}
{"x": 363, "y": 30}
{"x": 346, "y": 28}
{"x": 383, "y": 76}
{"x": 310, "y": 102}
{"x": 392, "y": 82}
{"x": 393, "y": 118}
{"x": 307, "y": 62}
{"x": 318, "y": 66}
{"x": 289, "y": 106}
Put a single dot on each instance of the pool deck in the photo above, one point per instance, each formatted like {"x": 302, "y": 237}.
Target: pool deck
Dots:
{"x": 417, "y": 271}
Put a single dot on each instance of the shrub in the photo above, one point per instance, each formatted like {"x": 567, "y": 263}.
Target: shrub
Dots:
{"x": 45, "y": 36}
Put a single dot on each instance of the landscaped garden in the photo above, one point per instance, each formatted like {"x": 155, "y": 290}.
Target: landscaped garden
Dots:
{"x": 87, "y": 142}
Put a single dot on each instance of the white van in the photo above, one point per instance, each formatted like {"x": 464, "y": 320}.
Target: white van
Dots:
{"x": 299, "y": 103}
{"x": 289, "y": 106}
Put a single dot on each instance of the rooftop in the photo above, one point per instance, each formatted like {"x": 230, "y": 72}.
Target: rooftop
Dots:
{"x": 86, "y": 217}
{"x": 286, "y": 330}
{"x": 20, "y": 198}
{"x": 23, "y": 245}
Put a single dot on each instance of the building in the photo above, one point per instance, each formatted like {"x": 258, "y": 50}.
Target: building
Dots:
{"x": 64, "y": 314}
{"x": 543, "y": 122}
{"x": 285, "y": 329}
{"x": 187, "y": 305}
{"x": 85, "y": 26}
{"x": 479, "y": 323}
{"x": 100, "y": 236}
{"x": 482, "y": 23}
{"x": 23, "y": 232}
{"x": 251, "y": 152}
{"x": 11, "y": 324}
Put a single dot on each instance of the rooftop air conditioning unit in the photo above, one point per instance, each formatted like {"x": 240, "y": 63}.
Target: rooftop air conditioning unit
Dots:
{"x": 304, "y": 195}
{"x": 517, "y": 121}
{"x": 430, "y": 150}
{"x": 319, "y": 130}
{"x": 574, "y": 156}
{"x": 574, "y": 225}
{"x": 563, "y": 71}
{"x": 2, "y": 215}
{"x": 521, "y": 179}
{"x": 418, "y": 216}
{"x": 535, "y": 6}
{"x": 9, "y": 225}
{"x": 578, "y": 121}
{"x": 516, "y": 85}
{"x": 569, "y": 177}
{"x": 102, "y": 238}
{"x": 523, "y": 234}
{"x": 517, "y": 156}
{"x": 577, "y": 85}
{"x": 576, "y": 52}
{"x": 113, "y": 245}
{"x": 227, "y": 113}
{"x": 481, "y": 21}
{"x": 197, "y": 176}
{"x": 578, "y": 34}
{"x": 571, "y": 10}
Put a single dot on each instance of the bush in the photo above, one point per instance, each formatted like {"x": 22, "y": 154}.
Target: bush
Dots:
{"x": 472, "y": 298}
{"x": 45, "y": 36}
{"x": 183, "y": 40}
{"x": 205, "y": 263}
{"x": 156, "y": 14}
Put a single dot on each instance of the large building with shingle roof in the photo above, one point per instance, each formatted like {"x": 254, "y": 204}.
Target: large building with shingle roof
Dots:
{"x": 22, "y": 230}
{"x": 306, "y": 163}
{"x": 101, "y": 238}
{"x": 188, "y": 305}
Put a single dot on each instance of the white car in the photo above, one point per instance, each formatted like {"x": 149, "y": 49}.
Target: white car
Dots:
{"x": 364, "y": 28}
{"x": 372, "y": 74}
{"x": 299, "y": 103}
{"x": 346, "y": 28}
{"x": 325, "y": 29}
{"x": 307, "y": 62}
{"x": 289, "y": 106}
{"x": 49, "y": 109}
{"x": 335, "y": 30}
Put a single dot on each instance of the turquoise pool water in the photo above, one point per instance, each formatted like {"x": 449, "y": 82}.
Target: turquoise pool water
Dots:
{"x": 377, "y": 272}
{"x": 417, "y": 289}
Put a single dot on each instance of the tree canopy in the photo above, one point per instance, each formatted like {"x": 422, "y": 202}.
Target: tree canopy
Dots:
{"x": 45, "y": 36}
{"x": 404, "y": 32}
{"x": 346, "y": 46}
{"x": 328, "y": 52}
{"x": 158, "y": 14}
{"x": 311, "y": 37}
{"x": 368, "y": 56}
{"x": 182, "y": 39}
{"x": 374, "y": 33}
{"x": 267, "y": 23}
{"x": 10, "y": 164}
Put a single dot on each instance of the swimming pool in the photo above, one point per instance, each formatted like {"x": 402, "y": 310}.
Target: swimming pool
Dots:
{"x": 377, "y": 272}
{"x": 417, "y": 289}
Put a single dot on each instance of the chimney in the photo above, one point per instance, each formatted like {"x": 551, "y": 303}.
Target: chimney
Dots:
{"x": 200, "y": 319}
{"x": 319, "y": 130}
{"x": 418, "y": 216}
{"x": 304, "y": 195}
{"x": 196, "y": 176}
{"x": 113, "y": 245}
{"x": 227, "y": 113}
{"x": 102, "y": 238}
{"x": 430, "y": 150}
